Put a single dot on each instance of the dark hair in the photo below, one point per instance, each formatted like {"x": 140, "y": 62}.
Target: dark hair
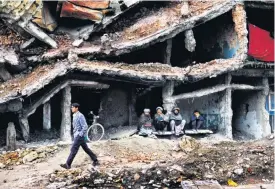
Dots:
{"x": 197, "y": 111}
{"x": 76, "y": 105}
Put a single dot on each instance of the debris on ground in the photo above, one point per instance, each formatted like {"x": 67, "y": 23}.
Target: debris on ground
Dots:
{"x": 25, "y": 156}
{"x": 227, "y": 163}
{"x": 143, "y": 162}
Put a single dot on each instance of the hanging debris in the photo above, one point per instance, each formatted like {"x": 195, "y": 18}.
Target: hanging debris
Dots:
{"x": 190, "y": 42}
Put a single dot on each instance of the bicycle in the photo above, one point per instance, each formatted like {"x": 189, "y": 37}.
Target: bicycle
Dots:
{"x": 96, "y": 131}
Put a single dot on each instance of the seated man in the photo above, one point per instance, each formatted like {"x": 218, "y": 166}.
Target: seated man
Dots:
{"x": 197, "y": 120}
{"x": 176, "y": 121}
{"x": 159, "y": 122}
{"x": 145, "y": 123}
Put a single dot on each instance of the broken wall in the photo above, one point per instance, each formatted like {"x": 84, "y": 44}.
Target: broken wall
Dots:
{"x": 114, "y": 109}
{"x": 250, "y": 118}
{"x": 214, "y": 39}
{"x": 208, "y": 105}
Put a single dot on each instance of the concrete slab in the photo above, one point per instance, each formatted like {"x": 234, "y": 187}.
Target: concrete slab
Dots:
{"x": 206, "y": 184}
{"x": 188, "y": 132}
{"x": 200, "y": 131}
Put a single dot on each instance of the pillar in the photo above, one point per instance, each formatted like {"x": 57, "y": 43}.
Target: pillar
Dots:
{"x": 264, "y": 118}
{"x": 226, "y": 110}
{"x": 168, "y": 52}
{"x": 24, "y": 125}
{"x": 167, "y": 92}
{"x": 65, "y": 130}
{"x": 47, "y": 116}
{"x": 11, "y": 137}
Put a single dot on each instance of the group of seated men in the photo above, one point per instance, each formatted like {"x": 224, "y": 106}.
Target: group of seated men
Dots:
{"x": 173, "y": 121}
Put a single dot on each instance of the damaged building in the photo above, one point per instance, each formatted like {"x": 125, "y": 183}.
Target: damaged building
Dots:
{"x": 117, "y": 57}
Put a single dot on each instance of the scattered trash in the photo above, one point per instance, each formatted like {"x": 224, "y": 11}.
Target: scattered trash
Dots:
{"x": 230, "y": 182}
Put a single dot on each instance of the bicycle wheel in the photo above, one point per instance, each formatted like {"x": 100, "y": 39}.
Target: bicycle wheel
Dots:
{"x": 95, "y": 132}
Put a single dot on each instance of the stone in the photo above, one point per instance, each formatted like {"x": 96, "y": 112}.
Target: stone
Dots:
{"x": 151, "y": 181}
{"x": 74, "y": 186}
{"x": 77, "y": 42}
{"x": 56, "y": 185}
{"x": 240, "y": 161}
{"x": 99, "y": 181}
{"x": 208, "y": 176}
{"x": 136, "y": 176}
{"x": 41, "y": 149}
{"x": 30, "y": 157}
{"x": 53, "y": 175}
{"x": 187, "y": 144}
{"x": 177, "y": 167}
{"x": 42, "y": 155}
{"x": 156, "y": 185}
{"x": 238, "y": 171}
{"x": 2, "y": 166}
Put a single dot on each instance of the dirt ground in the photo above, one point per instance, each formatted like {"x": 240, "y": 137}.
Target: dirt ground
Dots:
{"x": 244, "y": 162}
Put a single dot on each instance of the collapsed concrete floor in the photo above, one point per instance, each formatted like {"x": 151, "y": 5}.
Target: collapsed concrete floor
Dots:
{"x": 138, "y": 161}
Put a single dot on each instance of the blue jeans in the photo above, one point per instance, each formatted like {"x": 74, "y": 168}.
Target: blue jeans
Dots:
{"x": 80, "y": 141}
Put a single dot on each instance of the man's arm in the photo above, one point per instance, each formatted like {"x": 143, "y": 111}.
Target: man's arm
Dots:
{"x": 83, "y": 126}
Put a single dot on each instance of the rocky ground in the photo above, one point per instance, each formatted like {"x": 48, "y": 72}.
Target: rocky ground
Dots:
{"x": 137, "y": 162}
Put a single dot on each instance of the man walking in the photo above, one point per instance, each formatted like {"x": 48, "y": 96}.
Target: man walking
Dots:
{"x": 79, "y": 129}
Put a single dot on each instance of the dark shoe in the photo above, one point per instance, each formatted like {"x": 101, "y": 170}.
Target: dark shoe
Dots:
{"x": 96, "y": 163}
{"x": 65, "y": 166}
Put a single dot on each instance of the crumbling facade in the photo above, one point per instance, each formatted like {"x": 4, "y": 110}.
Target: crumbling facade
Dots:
{"x": 118, "y": 57}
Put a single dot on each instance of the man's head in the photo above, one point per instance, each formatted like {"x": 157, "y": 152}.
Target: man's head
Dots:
{"x": 196, "y": 113}
{"x": 159, "y": 110}
{"x": 75, "y": 107}
{"x": 146, "y": 111}
{"x": 176, "y": 110}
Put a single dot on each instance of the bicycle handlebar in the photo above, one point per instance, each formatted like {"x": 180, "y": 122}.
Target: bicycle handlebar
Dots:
{"x": 92, "y": 113}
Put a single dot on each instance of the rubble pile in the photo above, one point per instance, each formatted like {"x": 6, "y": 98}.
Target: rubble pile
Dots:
{"x": 26, "y": 156}
{"x": 240, "y": 162}
{"x": 160, "y": 176}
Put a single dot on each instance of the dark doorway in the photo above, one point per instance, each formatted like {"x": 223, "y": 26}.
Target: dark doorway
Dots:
{"x": 89, "y": 99}
{"x": 151, "y": 100}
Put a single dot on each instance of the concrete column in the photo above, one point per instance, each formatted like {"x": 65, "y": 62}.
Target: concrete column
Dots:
{"x": 47, "y": 116}
{"x": 226, "y": 110}
{"x": 65, "y": 130}
{"x": 24, "y": 125}
{"x": 264, "y": 118}
{"x": 167, "y": 92}
{"x": 168, "y": 52}
{"x": 11, "y": 137}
